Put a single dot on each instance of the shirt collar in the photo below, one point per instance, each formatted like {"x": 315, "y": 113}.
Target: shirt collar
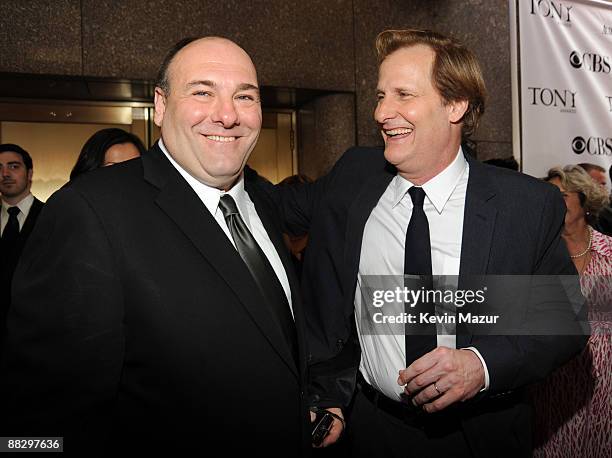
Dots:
{"x": 209, "y": 195}
{"x": 241, "y": 197}
{"x": 440, "y": 188}
{"x": 24, "y": 204}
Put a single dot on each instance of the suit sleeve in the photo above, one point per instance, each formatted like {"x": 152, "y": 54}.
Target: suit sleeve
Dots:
{"x": 332, "y": 382}
{"x": 299, "y": 203}
{"x": 515, "y": 361}
{"x": 331, "y": 379}
{"x": 64, "y": 347}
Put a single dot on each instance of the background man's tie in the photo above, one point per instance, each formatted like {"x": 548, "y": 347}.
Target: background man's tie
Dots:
{"x": 11, "y": 230}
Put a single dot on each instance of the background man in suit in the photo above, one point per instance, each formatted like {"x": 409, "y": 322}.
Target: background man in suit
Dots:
{"x": 424, "y": 207}
{"x": 155, "y": 306}
{"x": 597, "y": 172}
{"x": 17, "y": 217}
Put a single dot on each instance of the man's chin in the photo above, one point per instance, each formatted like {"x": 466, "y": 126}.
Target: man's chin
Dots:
{"x": 395, "y": 155}
{"x": 222, "y": 179}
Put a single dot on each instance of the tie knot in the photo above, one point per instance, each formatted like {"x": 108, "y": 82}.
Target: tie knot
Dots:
{"x": 417, "y": 195}
{"x": 228, "y": 205}
{"x": 13, "y": 211}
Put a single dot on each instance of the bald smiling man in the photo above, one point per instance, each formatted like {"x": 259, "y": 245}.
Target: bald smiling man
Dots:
{"x": 155, "y": 306}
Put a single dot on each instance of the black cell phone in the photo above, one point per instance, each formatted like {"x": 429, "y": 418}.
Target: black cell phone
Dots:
{"x": 321, "y": 426}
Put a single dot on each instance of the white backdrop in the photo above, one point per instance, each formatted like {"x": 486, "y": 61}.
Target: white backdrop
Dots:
{"x": 562, "y": 83}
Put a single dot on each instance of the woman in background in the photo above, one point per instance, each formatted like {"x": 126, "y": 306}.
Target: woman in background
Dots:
{"x": 591, "y": 251}
{"x": 107, "y": 147}
{"x": 573, "y": 405}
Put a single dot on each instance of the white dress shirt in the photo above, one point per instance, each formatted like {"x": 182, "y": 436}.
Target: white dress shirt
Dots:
{"x": 382, "y": 253}
{"x": 24, "y": 208}
{"x": 210, "y": 198}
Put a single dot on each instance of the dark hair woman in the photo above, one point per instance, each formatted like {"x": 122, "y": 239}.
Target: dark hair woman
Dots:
{"x": 107, "y": 147}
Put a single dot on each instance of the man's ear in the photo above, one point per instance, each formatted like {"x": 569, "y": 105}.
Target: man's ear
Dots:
{"x": 30, "y": 174}
{"x": 456, "y": 110}
{"x": 160, "y": 106}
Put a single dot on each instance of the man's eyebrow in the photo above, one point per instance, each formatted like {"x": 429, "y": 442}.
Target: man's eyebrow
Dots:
{"x": 201, "y": 83}
{"x": 212, "y": 84}
{"x": 396, "y": 90}
{"x": 247, "y": 87}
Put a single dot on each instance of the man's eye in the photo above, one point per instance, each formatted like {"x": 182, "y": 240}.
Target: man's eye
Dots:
{"x": 202, "y": 93}
{"x": 246, "y": 97}
{"x": 379, "y": 97}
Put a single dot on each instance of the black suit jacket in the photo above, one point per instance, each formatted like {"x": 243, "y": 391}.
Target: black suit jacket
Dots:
{"x": 28, "y": 225}
{"x": 512, "y": 226}
{"x": 10, "y": 256}
{"x": 135, "y": 323}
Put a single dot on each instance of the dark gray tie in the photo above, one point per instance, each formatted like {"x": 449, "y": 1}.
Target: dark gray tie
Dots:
{"x": 420, "y": 337}
{"x": 261, "y": 270}
{"x": 11, "y": 230}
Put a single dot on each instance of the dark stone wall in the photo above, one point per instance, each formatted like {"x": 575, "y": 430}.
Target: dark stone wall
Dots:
{"x": 289, "y": 40}
{"x": 326, "y": 130}
{"x": 312, "y": 44}
{"x": 41, "y": 37}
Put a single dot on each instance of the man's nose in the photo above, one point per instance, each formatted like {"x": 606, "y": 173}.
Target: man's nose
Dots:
{"x": 225, "y": 112}
{"x": 384, "y": 111}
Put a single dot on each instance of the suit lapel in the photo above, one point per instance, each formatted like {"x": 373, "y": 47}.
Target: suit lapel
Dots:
{"x": 178, "y": 200}
{"x": 274, "y": 233}
{"x": 25, "y": 231}
{"x": 478, "y": 221}
{"x": 358, "y": 215}
{"x": 28, "y": 224}
{"x": 478, "y": 228}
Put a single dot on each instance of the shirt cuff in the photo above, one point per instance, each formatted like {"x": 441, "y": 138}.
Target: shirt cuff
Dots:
{"x": 484, "y": 366}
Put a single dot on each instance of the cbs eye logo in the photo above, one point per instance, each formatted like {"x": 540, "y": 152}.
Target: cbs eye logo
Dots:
{"x": 575, "y": 60}
{"x": 578, "y": 145}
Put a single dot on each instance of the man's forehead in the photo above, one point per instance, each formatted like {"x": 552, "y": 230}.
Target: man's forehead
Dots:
{"x": 408, "y": 58}
{"x": 598, "y": 175}
{"x": 10, "y": 156}
{"x": 418, "y": 54}
{"x": 215, "y": 55}
{"x": 237, "y": 68}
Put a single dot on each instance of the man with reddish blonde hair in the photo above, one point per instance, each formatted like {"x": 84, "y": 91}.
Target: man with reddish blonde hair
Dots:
{"x": 424, "y": 207}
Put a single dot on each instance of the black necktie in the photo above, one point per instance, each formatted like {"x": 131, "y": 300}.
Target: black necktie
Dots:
{"x": 420, "y": 337}
{"x": 11, "y": 230}
{"x": 261, "y": 270}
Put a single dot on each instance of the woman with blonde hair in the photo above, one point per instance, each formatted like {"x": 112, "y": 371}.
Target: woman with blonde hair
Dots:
{"x": 573, "y": 410}
{"x": 584, "y": 199}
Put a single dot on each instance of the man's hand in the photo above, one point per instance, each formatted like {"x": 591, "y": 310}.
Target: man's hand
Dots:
{"x": 442, "y": 377}
{"x": 336, "y": 429}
